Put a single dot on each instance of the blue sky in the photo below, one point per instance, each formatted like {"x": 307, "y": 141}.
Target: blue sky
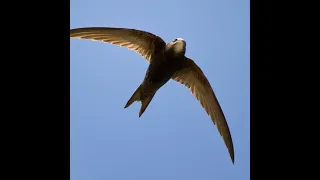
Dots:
{"x": 174, "y": 138}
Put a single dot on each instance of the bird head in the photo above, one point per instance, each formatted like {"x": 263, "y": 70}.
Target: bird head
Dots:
{"x": 178, "y": 46}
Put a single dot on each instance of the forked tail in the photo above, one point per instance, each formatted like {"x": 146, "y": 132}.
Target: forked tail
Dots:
{"x": 145, "y": 99}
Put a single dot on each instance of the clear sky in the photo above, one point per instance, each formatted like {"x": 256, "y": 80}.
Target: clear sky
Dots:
{"x": 174, "y": 139}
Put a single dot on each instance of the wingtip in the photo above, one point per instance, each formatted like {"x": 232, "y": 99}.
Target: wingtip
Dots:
{"x": 232, "y": 158}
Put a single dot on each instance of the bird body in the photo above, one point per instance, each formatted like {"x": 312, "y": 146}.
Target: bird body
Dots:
{"x": 167, "y": 61}
{"x": 161, "y": 69}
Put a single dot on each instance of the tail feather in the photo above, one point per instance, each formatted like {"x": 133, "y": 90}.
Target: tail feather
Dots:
{"x": 145, "y": 99}
{"x": 134, "y": 97}
{"x": 145, "y": 102}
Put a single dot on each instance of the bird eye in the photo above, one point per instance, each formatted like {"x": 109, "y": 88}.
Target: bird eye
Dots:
{"x": 175, "y": 40}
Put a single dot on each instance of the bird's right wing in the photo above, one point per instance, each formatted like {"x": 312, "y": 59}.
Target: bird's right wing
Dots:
{"x": 193, "y": 78}
{"x": 144, "y": 43}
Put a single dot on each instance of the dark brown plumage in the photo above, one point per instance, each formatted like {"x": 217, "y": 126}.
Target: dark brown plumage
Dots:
{"x": 167, "y": 61}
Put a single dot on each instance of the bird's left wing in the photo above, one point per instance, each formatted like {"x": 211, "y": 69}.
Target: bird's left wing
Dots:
{"x": 193, "y": 78}
{"x": 144, "y": 43}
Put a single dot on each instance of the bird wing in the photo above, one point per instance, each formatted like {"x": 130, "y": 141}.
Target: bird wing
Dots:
{"x": 144, "y": 43}
{"x": 193, "y": 78}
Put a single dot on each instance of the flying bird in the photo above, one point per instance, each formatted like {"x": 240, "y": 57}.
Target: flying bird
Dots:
{"x": 167, "y": 61}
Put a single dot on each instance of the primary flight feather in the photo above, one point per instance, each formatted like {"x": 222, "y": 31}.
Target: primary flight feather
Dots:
{"x": 167, "y": 61}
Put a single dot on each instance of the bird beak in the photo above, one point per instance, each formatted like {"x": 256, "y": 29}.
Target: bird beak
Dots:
{"x": 180, "y": 39}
